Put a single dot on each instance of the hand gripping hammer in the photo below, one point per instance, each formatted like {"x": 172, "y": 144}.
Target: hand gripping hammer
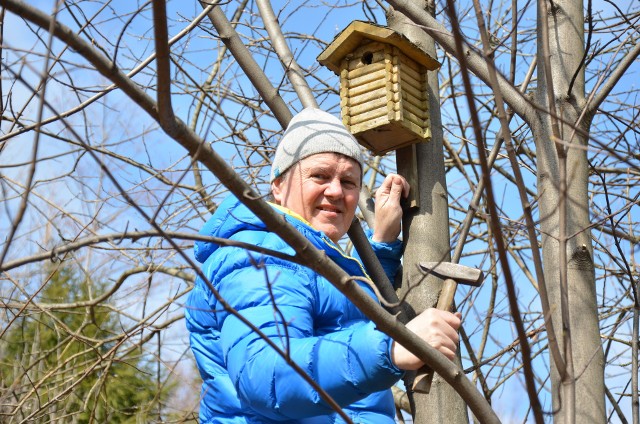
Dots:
{"x": 453, "y": 274}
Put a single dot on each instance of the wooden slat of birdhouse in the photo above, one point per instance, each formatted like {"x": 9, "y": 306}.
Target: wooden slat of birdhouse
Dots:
{"x": 415, "y": 113}
{"x": 416, "y": 103}
{"x": 372, "y": 114}
{"x": 358, "y": 59}
{"x": 412, "y": 64}
{"x": 409, "y": 117}
{"x": 412, "y": 78}
{"x": 422, "y": 108}
{"x": 427, "y": 132}
{"x": 419, "y": 113}
{"x": 398, "y": 104}
{"x": 393, "y": 103}
{"x": 369, "y": 124}
{"x": 344, "y": 94}
{"x": 361, "y": 76}
{"x": 356, "y": 91}
{"x": 408, "y": 70}
{"x": 407, "y": 79}
{"x": 415, "y": 96}
{"x": 368, "y": 96}
{"x": 421, "y": 99}
{"x": 414, "y": 127}
{"x": 427, "y": 118}
{"x": 366, "y": 107}
{"x": 415, "y": 120}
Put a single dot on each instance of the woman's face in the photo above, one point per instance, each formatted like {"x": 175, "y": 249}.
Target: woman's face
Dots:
{"x": 323, "y": 189}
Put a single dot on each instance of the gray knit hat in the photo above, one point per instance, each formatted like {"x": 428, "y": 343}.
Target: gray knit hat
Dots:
{"x": 313, "y": 131}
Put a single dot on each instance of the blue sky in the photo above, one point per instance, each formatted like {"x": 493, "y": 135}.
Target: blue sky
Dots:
{"x": 154, "y": 148}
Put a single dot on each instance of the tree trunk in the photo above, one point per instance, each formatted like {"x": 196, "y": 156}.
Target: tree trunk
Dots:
{"x": 426, "y": 231}
{"x": 566, "y": 47}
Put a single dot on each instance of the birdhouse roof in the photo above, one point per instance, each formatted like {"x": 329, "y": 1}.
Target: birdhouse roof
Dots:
{"x": 357, "y": 31}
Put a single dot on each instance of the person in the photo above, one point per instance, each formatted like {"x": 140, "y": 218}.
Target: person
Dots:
{"x": 315, "y": 182}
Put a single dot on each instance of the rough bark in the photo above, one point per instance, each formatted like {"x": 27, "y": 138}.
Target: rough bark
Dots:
{"x": 566, "y": 41}
{"x": 426, "y": 232}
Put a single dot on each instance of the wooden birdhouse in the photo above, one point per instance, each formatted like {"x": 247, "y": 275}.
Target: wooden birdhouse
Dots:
{"x": 383, "y": 86}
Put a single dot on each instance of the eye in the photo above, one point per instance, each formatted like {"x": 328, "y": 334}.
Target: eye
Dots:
{"x": 319, "y": 176}
{"x": 349, "y": 184}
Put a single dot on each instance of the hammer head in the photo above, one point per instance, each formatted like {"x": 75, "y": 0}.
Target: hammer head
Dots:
{"x": 461, "y": 274}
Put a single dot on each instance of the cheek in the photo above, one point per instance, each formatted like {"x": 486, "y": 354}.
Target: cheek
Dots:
{"x": 309, "y": 197}
{"x": 351, "y": 202}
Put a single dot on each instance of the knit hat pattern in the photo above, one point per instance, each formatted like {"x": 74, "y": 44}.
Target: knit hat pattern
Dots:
{"x": 310, "y": 132}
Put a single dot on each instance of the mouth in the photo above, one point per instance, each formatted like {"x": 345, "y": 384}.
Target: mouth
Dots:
{"x": 329, "y": 208}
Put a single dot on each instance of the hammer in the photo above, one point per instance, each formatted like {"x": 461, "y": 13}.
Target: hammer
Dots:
{"x": 453, "y": 274}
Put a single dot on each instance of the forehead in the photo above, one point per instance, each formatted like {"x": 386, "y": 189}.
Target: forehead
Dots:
{"x": 334, "y": 161}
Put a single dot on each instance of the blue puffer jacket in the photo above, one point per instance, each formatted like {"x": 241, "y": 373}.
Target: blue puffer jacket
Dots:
{"x": 245, "y": 380}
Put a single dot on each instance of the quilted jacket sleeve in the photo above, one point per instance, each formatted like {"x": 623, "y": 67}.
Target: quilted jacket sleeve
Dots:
{"x": 281, "y": 300}
{"x": 388, "y": 254}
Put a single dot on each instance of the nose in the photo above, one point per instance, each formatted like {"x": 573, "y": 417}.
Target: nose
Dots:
{"x": 334, "y": 189}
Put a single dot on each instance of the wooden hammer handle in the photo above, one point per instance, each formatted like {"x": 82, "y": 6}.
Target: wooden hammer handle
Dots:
{"x": 447, "y": 294}
{"x": 424, "y": 377}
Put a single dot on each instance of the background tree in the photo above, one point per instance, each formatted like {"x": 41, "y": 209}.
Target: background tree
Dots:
{"x": 107, "y": 129}
{"x": 559, "y": 120}
{"x": 61, "y": 361}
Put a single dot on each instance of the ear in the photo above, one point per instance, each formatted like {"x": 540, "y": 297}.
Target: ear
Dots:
{"x": 276, "y": 190}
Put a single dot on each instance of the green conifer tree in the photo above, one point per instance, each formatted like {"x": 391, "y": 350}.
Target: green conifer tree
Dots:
{"x": 69, "y": 364}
